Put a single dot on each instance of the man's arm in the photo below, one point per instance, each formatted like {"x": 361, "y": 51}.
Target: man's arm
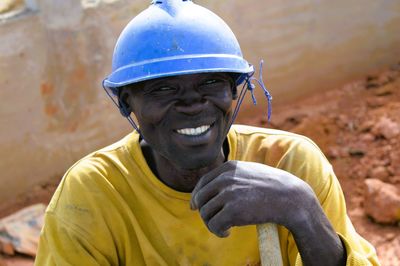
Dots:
{"x": 245, "y": 193}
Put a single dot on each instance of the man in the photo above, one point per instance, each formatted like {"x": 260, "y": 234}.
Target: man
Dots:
{"x": 186, "y": 188}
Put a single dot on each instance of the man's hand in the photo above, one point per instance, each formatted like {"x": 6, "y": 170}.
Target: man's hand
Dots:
{"x": 245, "y": 193}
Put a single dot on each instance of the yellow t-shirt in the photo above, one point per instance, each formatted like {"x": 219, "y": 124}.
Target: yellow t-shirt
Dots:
{"x": 110, "y": 209}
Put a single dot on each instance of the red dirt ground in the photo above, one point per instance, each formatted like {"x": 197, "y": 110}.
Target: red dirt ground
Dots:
{"x": 341, "y": 122}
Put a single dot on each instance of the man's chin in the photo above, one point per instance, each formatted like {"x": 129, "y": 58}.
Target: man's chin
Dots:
{"x": 196, "y": 163}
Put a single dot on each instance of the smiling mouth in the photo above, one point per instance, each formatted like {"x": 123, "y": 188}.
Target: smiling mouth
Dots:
{"x": 196, "y": 131}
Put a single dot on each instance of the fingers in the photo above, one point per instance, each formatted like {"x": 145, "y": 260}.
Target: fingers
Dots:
{"x": 204, "y": 195}
{"x": 220, "y": 223}
{"x": 213, "y": 196}
{"x": 218, "y": 212}
{"x": 215, "y": 208}
{"x": 210, "y": 209}
{"x": 206, "y": 179}
{"x": 211, "y": 189}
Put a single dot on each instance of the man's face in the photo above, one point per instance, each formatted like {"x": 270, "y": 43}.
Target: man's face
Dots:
{"x": 184, "y": 118}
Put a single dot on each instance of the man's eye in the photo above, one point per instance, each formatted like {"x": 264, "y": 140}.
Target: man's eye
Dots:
{"x": 164, "y": 89}
{"x": 210, "y": 81}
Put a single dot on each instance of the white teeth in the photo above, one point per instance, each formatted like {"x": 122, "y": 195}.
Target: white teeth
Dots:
{"x": 193, "y": 131}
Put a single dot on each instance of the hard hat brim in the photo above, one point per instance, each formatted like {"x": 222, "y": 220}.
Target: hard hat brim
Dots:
{"x": 179, "y": 65}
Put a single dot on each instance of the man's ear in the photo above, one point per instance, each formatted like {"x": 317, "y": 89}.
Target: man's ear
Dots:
{"x": 124, "y": 105}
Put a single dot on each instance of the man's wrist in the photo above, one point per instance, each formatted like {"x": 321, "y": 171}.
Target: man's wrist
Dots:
{"x": 316, "y": 239}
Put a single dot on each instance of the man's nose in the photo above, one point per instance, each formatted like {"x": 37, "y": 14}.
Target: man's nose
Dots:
{"x": 190, "y": 102}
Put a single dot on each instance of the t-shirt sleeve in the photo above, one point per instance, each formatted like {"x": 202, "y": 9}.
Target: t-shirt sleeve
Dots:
{"x": 76, "y": 228}
{"x": 306, "y": 161}
{"x": 62, "y": 244}
{"x": 359, "y": 251}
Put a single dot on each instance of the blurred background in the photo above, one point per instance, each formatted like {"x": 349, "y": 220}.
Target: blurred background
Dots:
{"x": 331, "y": 66}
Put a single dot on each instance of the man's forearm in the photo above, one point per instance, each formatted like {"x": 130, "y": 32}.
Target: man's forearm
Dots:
{"x": 317, "y": 241}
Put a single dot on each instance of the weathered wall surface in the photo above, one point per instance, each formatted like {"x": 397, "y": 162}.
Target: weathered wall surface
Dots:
{"x": 311, "y": 45}
{"x": 52, "y": 61}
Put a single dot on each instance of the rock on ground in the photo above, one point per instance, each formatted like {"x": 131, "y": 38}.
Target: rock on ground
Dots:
{"x": 382, "y": 201}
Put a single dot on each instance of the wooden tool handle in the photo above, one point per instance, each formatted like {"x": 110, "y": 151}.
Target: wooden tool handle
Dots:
{"x": 268, "y": 242}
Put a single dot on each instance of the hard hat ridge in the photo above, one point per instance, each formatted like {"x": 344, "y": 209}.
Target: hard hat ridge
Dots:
{"x": 169, "y": 2}
{"x": 170, "y": 6}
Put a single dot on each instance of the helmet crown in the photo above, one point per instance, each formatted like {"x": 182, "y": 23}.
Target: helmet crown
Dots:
{"x": 175, "y": 37}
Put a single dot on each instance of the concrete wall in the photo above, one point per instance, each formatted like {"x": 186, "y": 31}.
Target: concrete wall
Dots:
{"x": 52, "y": 61}
{"x": 312, "y": 45}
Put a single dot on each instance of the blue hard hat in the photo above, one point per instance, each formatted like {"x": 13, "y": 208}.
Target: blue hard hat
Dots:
{"x": 175, "y": 37}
